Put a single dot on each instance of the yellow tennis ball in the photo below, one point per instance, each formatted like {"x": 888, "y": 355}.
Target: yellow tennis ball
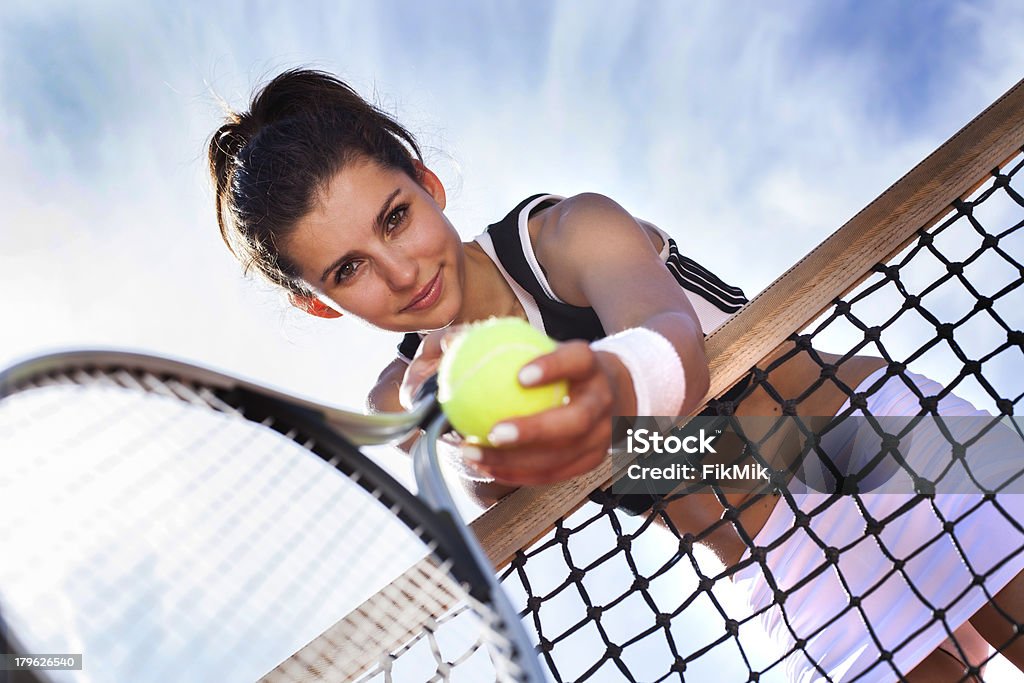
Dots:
{"x": 478, "y": 384}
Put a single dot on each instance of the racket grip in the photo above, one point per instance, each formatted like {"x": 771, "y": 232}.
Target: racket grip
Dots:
{"x": 427, "y": 393}
{"x": 427, "y": 390}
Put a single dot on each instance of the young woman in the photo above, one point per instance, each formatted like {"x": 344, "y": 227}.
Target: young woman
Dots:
{"x": 327, "y": 197}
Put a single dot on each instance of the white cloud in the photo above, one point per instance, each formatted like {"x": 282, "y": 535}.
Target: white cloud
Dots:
{"x": 716, "y": 122}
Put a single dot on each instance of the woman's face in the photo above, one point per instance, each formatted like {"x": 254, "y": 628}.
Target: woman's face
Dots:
{"x": 378, "y": 245}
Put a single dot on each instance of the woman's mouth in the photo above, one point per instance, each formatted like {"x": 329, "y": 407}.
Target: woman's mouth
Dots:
{"x": 427, "y": 296}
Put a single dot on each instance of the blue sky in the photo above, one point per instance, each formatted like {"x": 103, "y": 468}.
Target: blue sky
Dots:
{"x": 728, "y": 125}
{"x": 749, "y": 131}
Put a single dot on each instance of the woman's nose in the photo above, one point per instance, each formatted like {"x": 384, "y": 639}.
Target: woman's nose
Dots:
{"x": 400, "y": 271}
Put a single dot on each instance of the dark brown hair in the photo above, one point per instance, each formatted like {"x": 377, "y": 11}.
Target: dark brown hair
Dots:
{"x": 269, "y": 163}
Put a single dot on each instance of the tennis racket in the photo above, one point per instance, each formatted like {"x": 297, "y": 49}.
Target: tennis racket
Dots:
{"x": 170, "y": 522}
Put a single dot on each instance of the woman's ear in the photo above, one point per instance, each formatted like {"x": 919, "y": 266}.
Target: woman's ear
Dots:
{"x": 430, "y": 182}
{"x": 313, "y": 306}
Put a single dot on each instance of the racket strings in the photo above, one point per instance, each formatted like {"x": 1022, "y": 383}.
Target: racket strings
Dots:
{"x": 136, "y": 379}
{"x": 177, "y": 541}
{"x": 403, "y": 608}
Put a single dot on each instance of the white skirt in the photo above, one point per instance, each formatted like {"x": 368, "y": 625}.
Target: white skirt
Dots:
{"x": 849, "y": 612}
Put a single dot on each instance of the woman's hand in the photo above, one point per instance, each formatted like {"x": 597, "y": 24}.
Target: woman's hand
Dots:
{"x": 563, "y": 442}
{"x": 555, "y": 444}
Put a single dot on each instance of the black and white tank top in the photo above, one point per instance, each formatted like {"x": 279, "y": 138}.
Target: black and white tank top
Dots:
{"x": 508, "y": 244}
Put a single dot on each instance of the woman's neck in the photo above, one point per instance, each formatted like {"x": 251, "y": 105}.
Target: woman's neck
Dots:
{"x": 485, "y": 292}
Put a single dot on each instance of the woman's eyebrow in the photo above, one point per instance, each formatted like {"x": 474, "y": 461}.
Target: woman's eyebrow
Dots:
{"x": 383, "y": 214}
{"x": 378, "y": 221}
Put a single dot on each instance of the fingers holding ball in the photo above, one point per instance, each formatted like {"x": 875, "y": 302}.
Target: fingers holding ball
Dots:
{"x": 479, "y": 376}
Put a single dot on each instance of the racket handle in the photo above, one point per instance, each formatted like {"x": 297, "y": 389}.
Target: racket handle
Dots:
{"x": 427, "y": 393}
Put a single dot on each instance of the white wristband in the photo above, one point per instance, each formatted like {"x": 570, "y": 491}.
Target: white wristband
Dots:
{"x": 653, "y": 365}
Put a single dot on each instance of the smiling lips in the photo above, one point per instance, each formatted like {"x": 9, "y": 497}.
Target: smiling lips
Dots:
{"x": 427, "y": 296}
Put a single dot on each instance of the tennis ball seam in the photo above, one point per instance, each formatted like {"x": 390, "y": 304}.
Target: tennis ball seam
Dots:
{"x": 484, "y": 361}
{"x": 468, "y": 374}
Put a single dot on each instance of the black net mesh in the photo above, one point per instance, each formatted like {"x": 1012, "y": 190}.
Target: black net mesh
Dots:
{"x": 840, "y": 582}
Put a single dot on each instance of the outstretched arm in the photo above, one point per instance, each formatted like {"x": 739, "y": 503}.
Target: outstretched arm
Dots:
{"x": 595, "y": 254}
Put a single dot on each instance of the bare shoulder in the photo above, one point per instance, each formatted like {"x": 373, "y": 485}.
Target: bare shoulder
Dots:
{"x": 574, "y": 216}
{"x": 585, "y": 231}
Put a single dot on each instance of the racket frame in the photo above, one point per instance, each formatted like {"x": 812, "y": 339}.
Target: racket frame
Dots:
{"x": 333, "y": 434}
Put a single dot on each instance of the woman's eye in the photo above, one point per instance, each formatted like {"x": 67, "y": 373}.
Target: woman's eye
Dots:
{"x": 345, "y": 271}
{"x": 395, "y": 219}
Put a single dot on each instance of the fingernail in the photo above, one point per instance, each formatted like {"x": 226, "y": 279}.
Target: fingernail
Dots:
{"x": 530, "y": 375}
{"x": 503, "y": 433}
{"x": 472, "y": 453}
